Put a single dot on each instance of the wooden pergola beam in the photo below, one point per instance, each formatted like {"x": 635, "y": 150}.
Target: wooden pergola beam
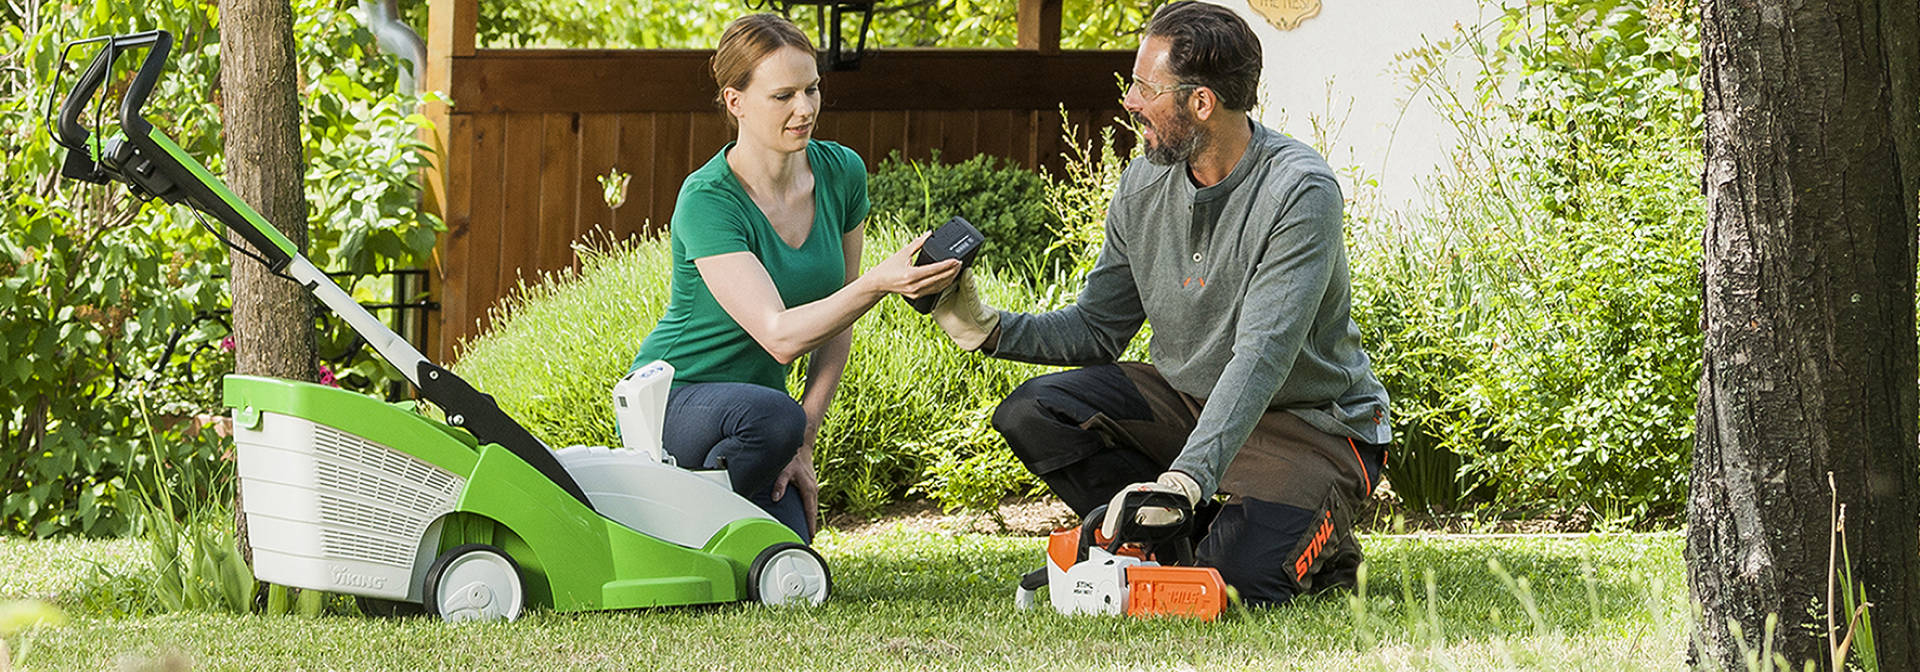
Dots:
{"x": 1039, "y": 22}
{"x": 677, "y": 80}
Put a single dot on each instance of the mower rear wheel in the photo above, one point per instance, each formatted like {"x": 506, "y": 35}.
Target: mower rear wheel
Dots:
{"x": 474, "y": 582}
{"x": 789, "y": 573}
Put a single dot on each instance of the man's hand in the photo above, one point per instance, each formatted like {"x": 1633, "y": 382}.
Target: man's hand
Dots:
{"x": 799, "y": 474}
{"x": 1173, "y": 482}
{"x": 966, "y": 319}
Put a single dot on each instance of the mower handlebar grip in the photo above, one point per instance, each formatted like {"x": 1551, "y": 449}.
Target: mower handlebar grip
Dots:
{"x": 70, "y": 133}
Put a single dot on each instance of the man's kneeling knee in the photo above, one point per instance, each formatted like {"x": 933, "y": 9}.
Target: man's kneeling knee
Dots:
{"x": 1271, "y": 552}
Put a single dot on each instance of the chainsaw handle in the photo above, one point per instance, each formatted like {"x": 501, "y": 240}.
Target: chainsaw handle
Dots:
{"x": 1177, "y": 534}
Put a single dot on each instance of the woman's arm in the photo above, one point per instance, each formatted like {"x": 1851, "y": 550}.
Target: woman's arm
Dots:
{"x": 742, "y": 287}
{"x": 830, "y": 361}
{"x": 823, "y": 378}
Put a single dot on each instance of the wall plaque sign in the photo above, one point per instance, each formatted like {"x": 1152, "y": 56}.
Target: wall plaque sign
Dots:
{"x": 1286, "y": 14}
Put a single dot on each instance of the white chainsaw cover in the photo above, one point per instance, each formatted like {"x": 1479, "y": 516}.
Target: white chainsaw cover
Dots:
{"x": 1097, "y": 585}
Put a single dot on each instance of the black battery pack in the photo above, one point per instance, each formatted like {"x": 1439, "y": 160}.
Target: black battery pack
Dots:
{"x": 956, "y": 239}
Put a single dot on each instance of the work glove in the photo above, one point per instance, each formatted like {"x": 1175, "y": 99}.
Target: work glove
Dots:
{"x": 1174, "y": 482}
{"x": 963, "y": 316}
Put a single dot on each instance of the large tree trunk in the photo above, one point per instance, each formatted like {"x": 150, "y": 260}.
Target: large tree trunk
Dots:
{"x": 1812, "y": 175}
{"x": 272, "y": 317}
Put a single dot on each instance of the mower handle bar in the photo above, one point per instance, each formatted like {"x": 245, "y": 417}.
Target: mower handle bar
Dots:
{"x": 70, "y": 133}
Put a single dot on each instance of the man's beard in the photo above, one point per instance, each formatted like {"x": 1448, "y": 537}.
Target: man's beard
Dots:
{"x": 1175, "y": 141}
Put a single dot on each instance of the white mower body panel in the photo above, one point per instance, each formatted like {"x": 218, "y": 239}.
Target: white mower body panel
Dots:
{"x": 655, "y": 498}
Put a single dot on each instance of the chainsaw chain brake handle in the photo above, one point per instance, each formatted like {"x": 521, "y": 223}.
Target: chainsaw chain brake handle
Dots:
{"x": 1167, "y": 544}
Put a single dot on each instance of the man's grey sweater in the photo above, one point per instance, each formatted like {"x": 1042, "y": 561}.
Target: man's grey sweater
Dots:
{"x": 1246, "y": 285}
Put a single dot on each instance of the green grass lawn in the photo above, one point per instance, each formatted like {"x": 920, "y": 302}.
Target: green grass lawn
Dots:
{"x": 915, "y": 600}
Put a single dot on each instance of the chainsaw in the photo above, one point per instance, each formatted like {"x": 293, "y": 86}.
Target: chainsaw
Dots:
{"x": 1144, "y": 570}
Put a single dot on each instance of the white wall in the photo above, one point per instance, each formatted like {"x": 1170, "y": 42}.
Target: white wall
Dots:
{"x": 1340, "y": 65}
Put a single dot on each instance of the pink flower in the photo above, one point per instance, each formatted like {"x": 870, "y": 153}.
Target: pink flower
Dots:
{"x": 326, "y": 377}
{"x": 227, "y": 343}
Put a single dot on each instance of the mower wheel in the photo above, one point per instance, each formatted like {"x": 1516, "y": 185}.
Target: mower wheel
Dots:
{"x": 474, "y": 582}
{"x": 788, "y": 573}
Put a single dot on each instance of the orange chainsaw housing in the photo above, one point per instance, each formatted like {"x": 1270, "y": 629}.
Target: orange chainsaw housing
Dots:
{"x": 1193, "y": 592}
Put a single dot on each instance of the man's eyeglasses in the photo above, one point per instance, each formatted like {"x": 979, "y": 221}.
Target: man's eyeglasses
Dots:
{"x": 1149, "y": 90}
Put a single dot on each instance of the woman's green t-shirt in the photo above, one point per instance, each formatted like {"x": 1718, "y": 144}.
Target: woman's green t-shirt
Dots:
{"x": 715, "y": 216}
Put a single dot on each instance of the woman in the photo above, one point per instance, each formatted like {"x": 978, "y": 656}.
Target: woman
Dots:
{"x": 766, "y": 268}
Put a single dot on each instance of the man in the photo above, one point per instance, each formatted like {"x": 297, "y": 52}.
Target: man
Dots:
{"x": 1227, "y": 238}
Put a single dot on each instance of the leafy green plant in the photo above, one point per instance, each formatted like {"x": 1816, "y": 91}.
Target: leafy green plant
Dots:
{"x": 1007, "y": 204}
{"x": 912, "y": 410}
{"x": 969, "y": 468}
{"x": 912, "y": 413}
{"x": 100, "y": 295}
{"x": 1538, "y": 329}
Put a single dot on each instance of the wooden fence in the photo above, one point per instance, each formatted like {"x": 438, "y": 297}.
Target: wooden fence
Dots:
{"x": 530, "y": 131}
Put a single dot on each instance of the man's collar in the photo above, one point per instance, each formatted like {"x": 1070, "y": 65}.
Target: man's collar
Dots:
{"x": 1241, "y": 166}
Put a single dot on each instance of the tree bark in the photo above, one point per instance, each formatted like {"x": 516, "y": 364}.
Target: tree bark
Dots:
{"x": 1812, "y": 177}
{"x": 272, "y": 316}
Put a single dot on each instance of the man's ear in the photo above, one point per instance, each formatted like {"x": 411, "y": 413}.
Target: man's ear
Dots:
{"x": 1202, "y": 103}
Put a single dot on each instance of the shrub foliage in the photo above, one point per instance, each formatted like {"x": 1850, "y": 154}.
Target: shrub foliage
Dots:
{"x": 909, "y": 405}
{"x": 1539, "y": 327}
{"x": 1007, "y": 203}
{"x": 111, "y": 309}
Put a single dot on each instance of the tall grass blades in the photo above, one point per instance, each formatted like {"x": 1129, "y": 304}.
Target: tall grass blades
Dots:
{"x": 194, "y": 558}
{"x": 556, "y": 345}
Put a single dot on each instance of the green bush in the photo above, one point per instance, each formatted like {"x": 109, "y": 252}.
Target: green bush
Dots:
{"x": 557, "y": 345}
{"x": 109, "y": 307}
{"x": 1007, "y": 203}
{"x": 1538, "y": 329}
{"x": 913, "y": 411}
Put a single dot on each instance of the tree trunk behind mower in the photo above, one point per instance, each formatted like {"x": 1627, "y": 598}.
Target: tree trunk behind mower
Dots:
{"x": 259, "y": 81}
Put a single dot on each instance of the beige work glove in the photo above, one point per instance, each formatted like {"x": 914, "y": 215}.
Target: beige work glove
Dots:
{"x": 963, "y": 316}
{"x": 1172, "y": 481}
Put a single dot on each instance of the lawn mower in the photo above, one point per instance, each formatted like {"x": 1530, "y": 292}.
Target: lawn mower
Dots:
{"x": 472, "y": 517}
{"x": 1144, "y": 570}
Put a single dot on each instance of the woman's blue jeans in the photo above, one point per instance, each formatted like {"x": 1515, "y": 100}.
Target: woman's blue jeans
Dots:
{"x": 750, "y": 430}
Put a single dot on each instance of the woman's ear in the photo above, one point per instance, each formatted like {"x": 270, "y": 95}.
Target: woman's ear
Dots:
{"x": 732, "y": 97}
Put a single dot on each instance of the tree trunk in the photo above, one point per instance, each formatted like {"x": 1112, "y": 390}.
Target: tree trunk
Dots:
{"x": 1812, "y": 177}
{"x": 272, "y": 316}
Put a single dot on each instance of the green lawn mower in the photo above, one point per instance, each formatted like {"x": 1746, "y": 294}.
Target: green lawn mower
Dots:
{"x": 474, "y": 517}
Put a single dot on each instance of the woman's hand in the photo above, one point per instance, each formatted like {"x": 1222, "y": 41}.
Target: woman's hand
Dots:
{"x": 897, "y": 274}
{"x": 799, "y": 474}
